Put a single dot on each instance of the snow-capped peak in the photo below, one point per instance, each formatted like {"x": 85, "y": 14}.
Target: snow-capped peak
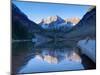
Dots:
{"x": 73, "y": 20}
{"x": 56, "y": 22}
{"x": 51, "y": 19}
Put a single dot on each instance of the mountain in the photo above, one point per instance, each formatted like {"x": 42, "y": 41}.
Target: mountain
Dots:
{"x": 85, "y": 28}
{"x": 52, "y": 19}
{"x": 73, "y": 20}
{"x": 51, "y": 22}
{"x": 22, "y": 27}
{"x": 55, "y": 22}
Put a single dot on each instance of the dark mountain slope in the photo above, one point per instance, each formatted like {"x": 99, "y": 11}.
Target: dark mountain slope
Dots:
{"x": 85, "y": 28}
{"x": 22, "y": 27}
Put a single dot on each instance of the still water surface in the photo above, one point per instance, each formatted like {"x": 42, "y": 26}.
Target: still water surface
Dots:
{"x": 50, "y": 56}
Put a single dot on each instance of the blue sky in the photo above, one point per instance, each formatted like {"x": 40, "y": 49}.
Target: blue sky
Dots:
{"x": 37, "y": 11}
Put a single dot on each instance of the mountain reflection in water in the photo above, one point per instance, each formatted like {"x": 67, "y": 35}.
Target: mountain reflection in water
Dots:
{"x": 52, "y": 57}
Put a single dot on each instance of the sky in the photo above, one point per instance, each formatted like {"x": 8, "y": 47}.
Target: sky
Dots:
{"x": 36, "y": 11}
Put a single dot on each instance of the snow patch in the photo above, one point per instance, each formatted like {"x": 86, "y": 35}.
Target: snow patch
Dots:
{"x": 88, "y": 48}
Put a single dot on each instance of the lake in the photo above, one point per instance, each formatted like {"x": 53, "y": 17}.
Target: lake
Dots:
{"x": 48, "y": 57}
